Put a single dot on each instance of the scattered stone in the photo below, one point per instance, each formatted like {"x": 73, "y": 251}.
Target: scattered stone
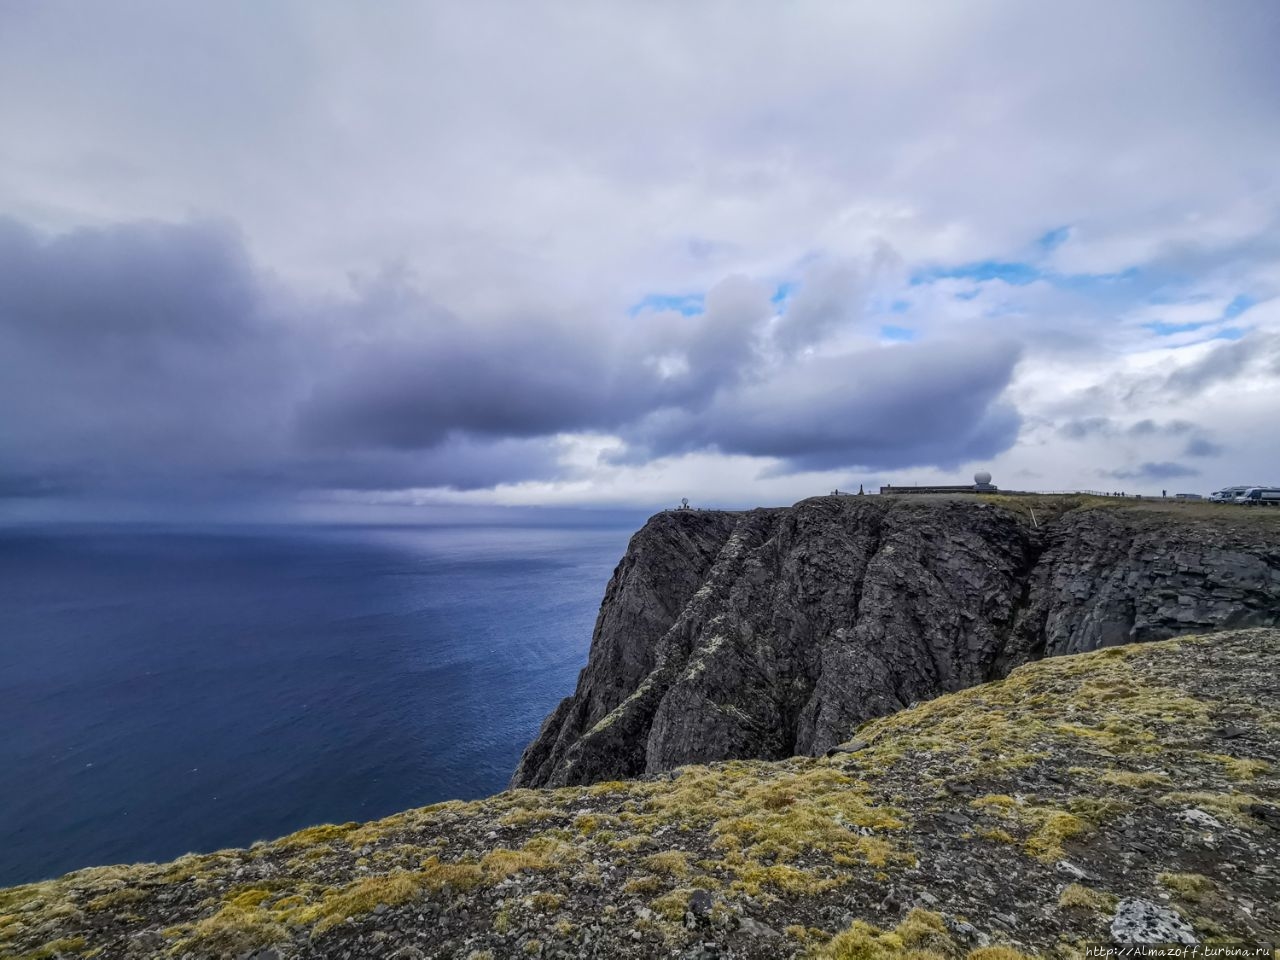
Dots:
{"x": 754, "y": 928}
{"x": 967, "y": 932}
{"x": 700, "y": 903}
{"x": 1141, "y": 921}
{"x": 1199, "y": 818}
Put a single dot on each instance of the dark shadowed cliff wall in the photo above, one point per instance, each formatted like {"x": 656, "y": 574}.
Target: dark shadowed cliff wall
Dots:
{"x": 768, "y": 633}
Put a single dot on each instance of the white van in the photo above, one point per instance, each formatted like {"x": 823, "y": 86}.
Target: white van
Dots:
{"x": 1229, "y": 494}
{"x": 1260, "y": 497}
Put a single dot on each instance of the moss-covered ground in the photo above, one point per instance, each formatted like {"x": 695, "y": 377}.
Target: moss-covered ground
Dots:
{"x": 1001, "y": 821}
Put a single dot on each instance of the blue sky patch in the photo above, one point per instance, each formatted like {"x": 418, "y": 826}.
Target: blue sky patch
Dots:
{"x": 689, "y": 304}
{"x": 1162, "y": 329}
{"x": 1238, "y": 306}
{"x": 1011, "y": 272}
{"x": 897, "y": 334}
{"x": 1054, "y": 239}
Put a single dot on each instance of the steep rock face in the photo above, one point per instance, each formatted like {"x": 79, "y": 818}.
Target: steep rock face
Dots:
{"x": 770, "y": 633}
{"x": 665, "y": 564}
{"x": 1115, "y": 576}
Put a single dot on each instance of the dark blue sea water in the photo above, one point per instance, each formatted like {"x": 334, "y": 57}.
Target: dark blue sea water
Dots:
{"x": 165, "y": 691}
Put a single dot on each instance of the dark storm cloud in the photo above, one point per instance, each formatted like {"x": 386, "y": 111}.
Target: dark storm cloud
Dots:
{"x": 151, "y": 358}
{"x": 134, "y": 351}
{"x": 1200, "y": 447}
{"x": 1166, "y": 470}
{"x": 832, "y": 294}
{"x": 1081, "y": 428}
{"x": 1151, "y": 428}
{"x": 418, "y": 373}
{"x": 155, "y": 358}
{"x": 893, "y": 407}
{"x": 1087, "y": 427}
{"x": 1225, "y": 362}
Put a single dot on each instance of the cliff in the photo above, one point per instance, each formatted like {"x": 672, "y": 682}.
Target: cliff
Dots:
{"x": 1130, "y": 792}
{"x": 770, "y": 633}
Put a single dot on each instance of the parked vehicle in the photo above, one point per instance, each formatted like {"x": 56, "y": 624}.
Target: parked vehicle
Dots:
{"x": 1187, "y": 496}
{"x": 1229, "y": 494}
{"x": 1260, "y": 497}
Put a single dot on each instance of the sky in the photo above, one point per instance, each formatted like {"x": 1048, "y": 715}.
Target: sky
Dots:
{"x": 330, "y": 259}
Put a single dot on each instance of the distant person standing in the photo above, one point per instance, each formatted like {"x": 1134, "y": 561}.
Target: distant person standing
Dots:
{"x": 1164, "y": 493}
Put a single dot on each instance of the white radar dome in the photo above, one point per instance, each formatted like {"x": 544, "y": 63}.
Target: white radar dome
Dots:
{"x": 982, "y": 477}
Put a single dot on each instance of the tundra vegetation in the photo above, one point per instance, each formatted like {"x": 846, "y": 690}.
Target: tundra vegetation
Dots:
{"x": 1002, "y": 821}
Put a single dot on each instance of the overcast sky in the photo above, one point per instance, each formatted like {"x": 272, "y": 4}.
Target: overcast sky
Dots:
{"x": 613, "y": 254}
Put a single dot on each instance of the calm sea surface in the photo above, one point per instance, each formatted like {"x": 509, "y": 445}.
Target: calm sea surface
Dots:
{"x": 166, "y": 691}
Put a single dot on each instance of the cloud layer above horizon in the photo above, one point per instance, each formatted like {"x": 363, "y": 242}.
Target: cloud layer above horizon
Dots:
{"x": 547, "y": 254}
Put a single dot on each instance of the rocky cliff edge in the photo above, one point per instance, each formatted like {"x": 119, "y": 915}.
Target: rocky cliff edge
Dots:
{"x": 770, "y": 633}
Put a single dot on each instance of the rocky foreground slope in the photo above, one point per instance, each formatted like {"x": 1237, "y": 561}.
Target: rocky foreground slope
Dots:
{"x": 1131, "y": 792}
{"x": 770, "y": 633}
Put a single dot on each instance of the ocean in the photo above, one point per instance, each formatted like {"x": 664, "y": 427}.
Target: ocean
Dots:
{"x": 168, "y": 690}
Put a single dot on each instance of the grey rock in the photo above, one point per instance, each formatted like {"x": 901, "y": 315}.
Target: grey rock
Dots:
{"x": 1071, "y": 870}
{"x": 1198, "y": 818}
{"x": 1141, "y": 921}
{"x": 775, "y": 632}
{"x": 967, "y": 932}
{"x": 700, "y": 903}
{"x": 757, "y": 930}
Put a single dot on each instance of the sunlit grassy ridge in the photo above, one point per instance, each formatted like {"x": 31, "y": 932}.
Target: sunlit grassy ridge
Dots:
{"x": 943, "y": 819}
